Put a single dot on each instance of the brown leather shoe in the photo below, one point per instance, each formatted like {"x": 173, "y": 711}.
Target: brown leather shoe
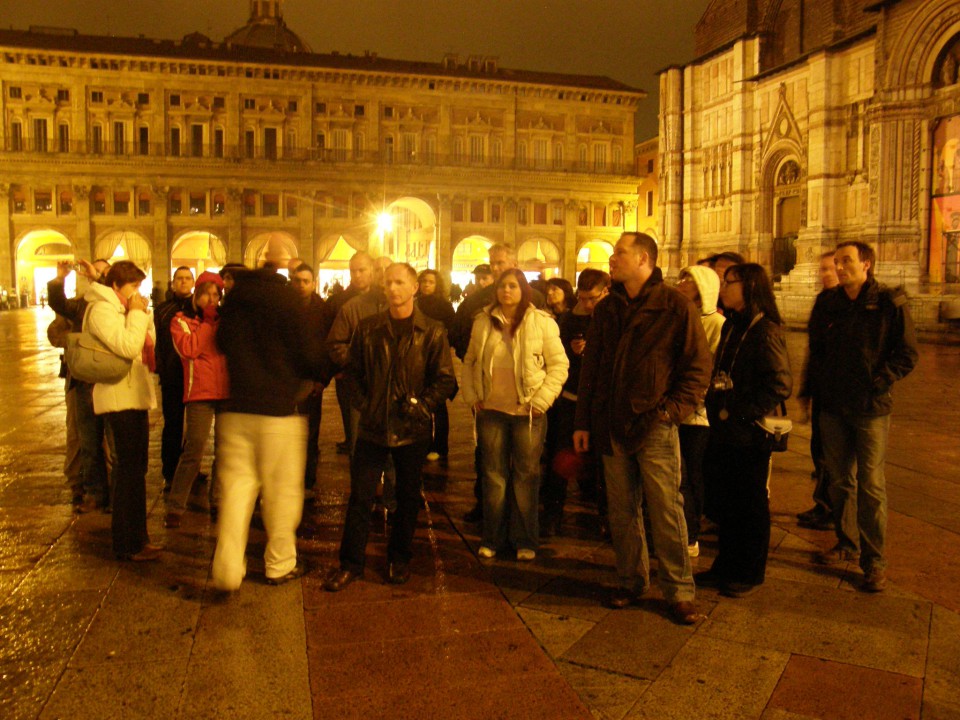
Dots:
{"x": 685, "y": 613}
{"x": 340, "y": 579}
{"x": 149, "y": 553}
{"x": 398, "y": 573}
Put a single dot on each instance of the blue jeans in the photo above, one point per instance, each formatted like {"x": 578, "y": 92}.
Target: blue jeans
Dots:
{"x": 511, "y": 446}
{"x": 653, "y": 472}
{"x": 93, "y": 456}
{"x": 854, "y": 450}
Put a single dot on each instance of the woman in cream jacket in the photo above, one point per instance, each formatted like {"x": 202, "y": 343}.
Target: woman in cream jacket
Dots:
{"x": 513, "y": 372}
{"x": 117, "y": 315}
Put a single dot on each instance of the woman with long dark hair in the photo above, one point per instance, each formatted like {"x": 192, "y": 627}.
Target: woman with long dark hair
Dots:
{"x": 433, "y": 302}
{"x": 513, "y": 372}
{"x": 751, "y": 377}
{"x": 560, "y": 296}
{"x": 117, "y": 315}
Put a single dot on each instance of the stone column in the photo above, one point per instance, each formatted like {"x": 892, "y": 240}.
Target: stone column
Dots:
{"x": 234, "y": 216}
{"x": 510, "y": 222}
{"x": 81, "y": 205}
{"x": 568, "y": 253}
{"x": 671, "y": 162}
{"x": 443, "y": 236}
{"x": 162, "y": 272}
{"x": 7, "y": 259}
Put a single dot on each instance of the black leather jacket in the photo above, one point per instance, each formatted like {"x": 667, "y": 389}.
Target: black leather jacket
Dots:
{"x": 756, "y": 360}
{"x": 397, "y": 383}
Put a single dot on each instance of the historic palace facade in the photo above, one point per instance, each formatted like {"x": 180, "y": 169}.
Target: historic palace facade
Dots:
{"x": 198, "y": 152}
{"x": 807, "y": 122}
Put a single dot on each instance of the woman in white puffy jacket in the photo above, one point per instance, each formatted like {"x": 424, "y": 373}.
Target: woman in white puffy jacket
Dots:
{"x": 513, "y": 372}
{"x": 117, "y": 315}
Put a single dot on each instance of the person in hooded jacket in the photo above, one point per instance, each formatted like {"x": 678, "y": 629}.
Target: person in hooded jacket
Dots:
{"x": 117, "y": 315}
{"x": 205, "y": 386}
{"x": 513, "y": 372}
{"x": 751, "y": 377}
{"x": 433, "y": 301}
{"x": 702, "y": 286}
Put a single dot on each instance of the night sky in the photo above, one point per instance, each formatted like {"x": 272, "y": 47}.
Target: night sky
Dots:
{"x": 628, "y": 40}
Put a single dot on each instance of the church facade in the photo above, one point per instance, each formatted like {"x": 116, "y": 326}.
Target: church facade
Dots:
{"x": 255, "y": 148}
{"x": 803, "y": 123}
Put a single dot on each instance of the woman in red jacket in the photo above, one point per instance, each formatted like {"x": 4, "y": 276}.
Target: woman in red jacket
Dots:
{"x": 205, "y": 384}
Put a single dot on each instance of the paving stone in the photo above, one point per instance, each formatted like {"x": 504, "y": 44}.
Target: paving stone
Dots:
{"x": 941, "y": 687}
{"x": 140, "y": 611}
{"x": 571, "y": 596}
{"x": 533, "y": 696}
{"x": 882, "y": 632}
{"x": 610, "y": 696}
{"x": 26, "y": 686}
{"x": 934, "y": 575}
{"x": 837, "y": 691}
{"x": 556, "y": 633}
{"x": 712, "y": 678}
{"x": 639, "y": 641}
{"x": 142, "y": 689}
{"x": 44, "y": 626}
{"x": 409, "y": 617}
{"x": 347, "y": 669}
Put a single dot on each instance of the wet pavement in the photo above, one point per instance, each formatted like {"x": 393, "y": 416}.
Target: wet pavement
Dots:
{"x": 84, "y": 636}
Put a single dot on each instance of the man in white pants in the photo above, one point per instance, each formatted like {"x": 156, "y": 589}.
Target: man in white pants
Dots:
{"x": 261, "y": 440}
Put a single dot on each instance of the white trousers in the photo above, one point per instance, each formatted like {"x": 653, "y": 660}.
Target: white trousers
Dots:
{"x": 258, "y": 454}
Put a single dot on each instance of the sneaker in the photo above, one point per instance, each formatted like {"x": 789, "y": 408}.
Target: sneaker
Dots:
{"x": 433, "y": 456}
{"x": 526, "y": 554}
{"x": 836, "y": 555}
{"x": 694, "y": 550}
{"x": 874, "y": 581}
{"x": 486, "y": 552}
{"x": 299, "y": 570}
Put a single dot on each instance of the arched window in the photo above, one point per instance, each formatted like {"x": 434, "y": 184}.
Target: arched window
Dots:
{"x": 946, "y": 70}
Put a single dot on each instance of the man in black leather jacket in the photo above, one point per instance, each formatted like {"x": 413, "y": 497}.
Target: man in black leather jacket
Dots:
{"x": 862, "y": 341}
{"x": 400, "y": 371}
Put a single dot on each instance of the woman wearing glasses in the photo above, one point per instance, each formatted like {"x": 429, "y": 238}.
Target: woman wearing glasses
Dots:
{"x": 751, "y": 377}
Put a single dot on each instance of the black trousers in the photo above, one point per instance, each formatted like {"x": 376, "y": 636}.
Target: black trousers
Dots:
{"x": 171, "y": 439}
{"x": 368, "y": 463}
{"x": 693, "y": 445}
{"x": 441, "y": 431}
{"x": 560, "y": 426}
{"x": 312, "y": 407}
{"x": 821, "y": 492}
{"x": 739, "y": 475}
{"x": 131, "y": 436}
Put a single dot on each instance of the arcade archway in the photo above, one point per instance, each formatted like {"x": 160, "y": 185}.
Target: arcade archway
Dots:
{"x": 539, "y": 256}
{"x": 276, "y": 247}
{"x": 469, "y": 252}
{"x": 198, "y": 250}
{"x": 38, "y": 253}
{"x": 127, "y": 245}
{"x": 334, "y": 266}
{"x": 405, "y": 231}
{"x": 594, "y": 254}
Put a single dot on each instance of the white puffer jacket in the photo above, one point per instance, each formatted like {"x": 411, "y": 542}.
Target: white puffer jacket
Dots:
{"x": 539, "y": 361}
{"x": 124, "y": 333}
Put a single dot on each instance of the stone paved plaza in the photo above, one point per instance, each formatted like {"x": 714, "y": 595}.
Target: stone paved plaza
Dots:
{"x": 84, "y": 636}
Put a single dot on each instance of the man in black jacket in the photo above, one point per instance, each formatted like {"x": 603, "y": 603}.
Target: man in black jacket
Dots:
{"x": 646, "y": 367}
{"x": 170, "y": 370}
{"x": 401, "y": 371}
{"x": 311, "y": 405}
{"x": 861, "y": 342}
{"x": 261, "y": 440}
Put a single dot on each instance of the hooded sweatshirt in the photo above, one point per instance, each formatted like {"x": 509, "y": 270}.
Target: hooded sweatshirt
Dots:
{"x": 708, "y": 285}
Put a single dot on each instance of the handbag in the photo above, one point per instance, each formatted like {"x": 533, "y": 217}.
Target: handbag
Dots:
{"x": 90, "y": 361}
{"x": 776, "y": 429}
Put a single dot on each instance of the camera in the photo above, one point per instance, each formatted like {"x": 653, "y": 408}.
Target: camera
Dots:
{"x": 721, "y": 382}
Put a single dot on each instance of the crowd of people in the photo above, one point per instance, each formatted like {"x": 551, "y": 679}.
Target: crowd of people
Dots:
{"x": 651, "y": 396}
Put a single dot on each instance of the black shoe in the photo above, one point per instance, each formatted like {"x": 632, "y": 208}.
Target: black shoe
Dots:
{"x": 817, "y": 523}
{"x": 475, "y": 515}
{"x": 738, "y": 590}
{"x": 707, "y": 578}
{"x": 398, "y": 573}
{"x": 339, "y": 580}
{"x": 299, "y": 570}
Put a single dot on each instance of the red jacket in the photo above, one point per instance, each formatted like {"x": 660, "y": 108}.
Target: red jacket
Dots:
{"x": 204, "y": 366}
